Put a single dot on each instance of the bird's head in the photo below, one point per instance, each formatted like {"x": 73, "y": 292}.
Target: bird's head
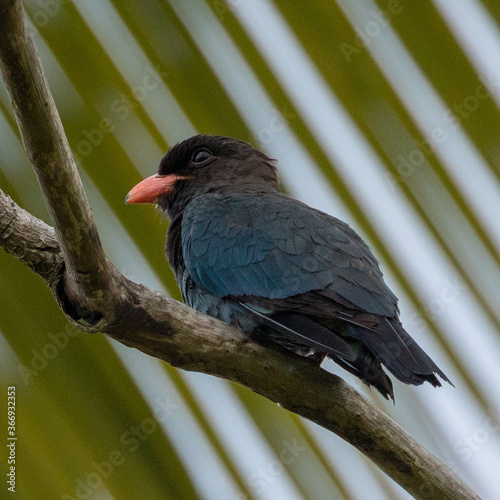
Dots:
{"x": 204, "y": 164}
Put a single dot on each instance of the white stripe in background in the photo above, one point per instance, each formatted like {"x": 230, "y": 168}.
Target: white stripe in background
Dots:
{"x": 15, "y": 166}
{"x": 459, "y": 156}
{"x": 10, "y": 373}
{"x": 132, "y": 63}
{"x": 478, "y": 35}
{"x": 474, "y": 450}
{"x": 347, "y": 463}
{"x": 259, "y": 464}
{"x": 201, "y": 462}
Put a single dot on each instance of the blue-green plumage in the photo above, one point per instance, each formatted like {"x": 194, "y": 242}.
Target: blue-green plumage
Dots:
{"x": 252, "y": 256}
{"x": 273, "y": 246}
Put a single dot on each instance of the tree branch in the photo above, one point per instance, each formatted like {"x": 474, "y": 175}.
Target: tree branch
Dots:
{"x": 49, "y": 152}
{"x": 30, "y": 240}
{"x": 73, "y": 264}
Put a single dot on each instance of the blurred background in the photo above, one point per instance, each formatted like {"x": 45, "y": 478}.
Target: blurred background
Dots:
{"x": 382, "y": 113}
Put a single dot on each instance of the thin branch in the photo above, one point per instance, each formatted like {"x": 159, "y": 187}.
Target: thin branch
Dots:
{"x": 49, "y": 152}
{"x": 30, "y": 240}
{"x": 76, "y": 270}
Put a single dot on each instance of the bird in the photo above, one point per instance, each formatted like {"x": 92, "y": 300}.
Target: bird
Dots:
{"x": 247, "y": 253}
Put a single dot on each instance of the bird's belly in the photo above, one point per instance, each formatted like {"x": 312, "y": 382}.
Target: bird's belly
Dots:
{"x": 207, "y": 303}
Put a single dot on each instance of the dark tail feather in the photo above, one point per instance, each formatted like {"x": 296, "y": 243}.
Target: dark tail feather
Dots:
{"x": 369, "y": 370}
{"x": 402, "y": 356}
{"x": 358, "y": 349}
{"x": 301, "y": 330}
{"x": 353, "y": 356}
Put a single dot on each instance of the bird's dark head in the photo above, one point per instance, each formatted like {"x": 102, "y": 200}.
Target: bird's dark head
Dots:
{"x": 204, "y": 164}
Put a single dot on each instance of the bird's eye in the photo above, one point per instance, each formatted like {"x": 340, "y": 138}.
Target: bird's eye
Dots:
{"x": 201, "y": 156}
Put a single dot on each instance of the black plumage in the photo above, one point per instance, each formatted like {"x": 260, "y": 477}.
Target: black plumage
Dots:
{"x": 252, "y": 256}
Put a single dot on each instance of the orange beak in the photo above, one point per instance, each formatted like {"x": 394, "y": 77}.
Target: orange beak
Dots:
{"x": 150, "y": 189}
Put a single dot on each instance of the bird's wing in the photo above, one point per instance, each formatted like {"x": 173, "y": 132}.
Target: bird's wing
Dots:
{"x": 273, "y": 246}
{"x": 298, "y": 269}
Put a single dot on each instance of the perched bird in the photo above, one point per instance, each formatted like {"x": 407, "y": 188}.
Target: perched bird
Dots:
{"x": 252, "y": 256}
